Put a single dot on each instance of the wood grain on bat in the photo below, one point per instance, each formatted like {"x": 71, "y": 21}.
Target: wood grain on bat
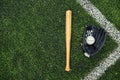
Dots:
{"x": 68, "y": 38}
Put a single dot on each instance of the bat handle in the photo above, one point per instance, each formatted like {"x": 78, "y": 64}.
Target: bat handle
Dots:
{"x": 68, "y": 38}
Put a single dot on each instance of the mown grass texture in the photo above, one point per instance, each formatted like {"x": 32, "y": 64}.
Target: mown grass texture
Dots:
{"x": 33, "y": 40}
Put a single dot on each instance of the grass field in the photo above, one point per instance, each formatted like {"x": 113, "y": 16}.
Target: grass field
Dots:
{"x": 32, "y": 40}
{"x": 113, "y": 73}
{"x": 111, "y": 10}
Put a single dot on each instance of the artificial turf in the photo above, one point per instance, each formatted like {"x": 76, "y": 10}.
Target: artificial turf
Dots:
{"x": 111, "y": 10}
{"x": 32, "y": 40}
{"x": 113, "y": 73}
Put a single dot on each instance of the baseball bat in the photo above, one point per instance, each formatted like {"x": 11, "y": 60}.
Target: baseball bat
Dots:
{"x": 68, "y": 38}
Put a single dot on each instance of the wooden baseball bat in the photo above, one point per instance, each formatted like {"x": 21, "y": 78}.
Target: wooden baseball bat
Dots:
{"x": 68, "y": 38}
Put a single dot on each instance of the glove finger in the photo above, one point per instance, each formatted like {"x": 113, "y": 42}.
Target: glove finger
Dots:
{"x": 102, "y": 40}
{"x": 96, "y": 32}
{"x": 98, "y": 36}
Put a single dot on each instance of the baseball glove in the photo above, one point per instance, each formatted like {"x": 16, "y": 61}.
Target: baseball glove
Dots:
{"x": 93, "y": 40}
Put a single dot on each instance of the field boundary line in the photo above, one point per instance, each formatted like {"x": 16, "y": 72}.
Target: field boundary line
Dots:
{"x": 112, "y": 31}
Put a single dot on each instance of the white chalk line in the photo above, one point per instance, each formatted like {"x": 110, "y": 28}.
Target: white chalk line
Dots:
{"x": 112, "y": 31}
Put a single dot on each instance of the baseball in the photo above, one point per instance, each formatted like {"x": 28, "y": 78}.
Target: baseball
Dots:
{"x": 90, "y": 40}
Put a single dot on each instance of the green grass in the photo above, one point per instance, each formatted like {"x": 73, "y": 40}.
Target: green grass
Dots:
{"x": 113, "y": 73}
{"x": 111, "y": 10}
{"x": 32, "y": 40}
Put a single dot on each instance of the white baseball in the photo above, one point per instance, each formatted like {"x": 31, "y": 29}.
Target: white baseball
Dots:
{"x": 90, "y": 40}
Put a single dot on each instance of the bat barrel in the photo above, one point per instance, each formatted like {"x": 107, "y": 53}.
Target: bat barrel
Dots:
{"x": 68, "y": 38}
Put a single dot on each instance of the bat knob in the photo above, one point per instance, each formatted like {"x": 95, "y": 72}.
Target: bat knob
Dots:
{"x": 67, "y": 69}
